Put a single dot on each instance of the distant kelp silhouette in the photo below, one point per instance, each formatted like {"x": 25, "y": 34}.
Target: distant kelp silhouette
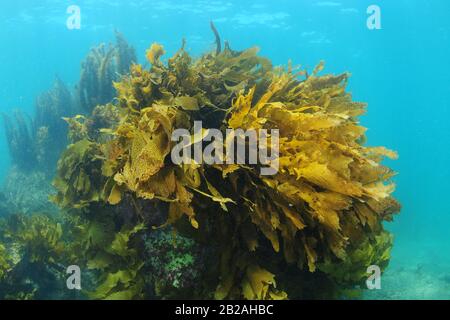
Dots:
{"x": 50, "y": 129}
{"x": 20, "y": 138}
{"x": 35, "y": 143}
{"x": 309, "y": 231}
{"x": 103, "y": 65}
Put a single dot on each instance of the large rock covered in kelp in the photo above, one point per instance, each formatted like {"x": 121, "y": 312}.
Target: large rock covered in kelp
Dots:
{"x": 275, "y": 236}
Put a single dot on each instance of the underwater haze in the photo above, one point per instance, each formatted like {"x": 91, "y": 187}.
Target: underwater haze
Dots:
{"x": 401, "y": 70}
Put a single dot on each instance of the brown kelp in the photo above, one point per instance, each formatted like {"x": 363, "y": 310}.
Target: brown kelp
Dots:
{"x": 143, "y": 226}
{"x": 103, "y": 65}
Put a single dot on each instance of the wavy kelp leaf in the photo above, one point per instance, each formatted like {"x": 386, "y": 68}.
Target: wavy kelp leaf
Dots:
{"x": 148, "y": 145}
{"x": 78, "y": 129}
{"x": 115, "y": 196}
{"x": 79, "y": 180}
{"x": 334, "y": 167}
{"x": 108, "y": 289}
{"x": 257, "y": 284}
{"x": 187, "y": 103}
{"x": 353, "y": 269}
{"x": 154, "y": 53}
{"x": 119, "y": 246}
{"x": 96, "y": 234}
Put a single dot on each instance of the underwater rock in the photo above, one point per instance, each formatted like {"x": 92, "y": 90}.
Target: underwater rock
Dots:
{"x": 79, "y": 179}
{"x": 103, "y": 117}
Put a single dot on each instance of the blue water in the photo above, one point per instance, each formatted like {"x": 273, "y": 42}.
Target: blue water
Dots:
{"x": 402, "y": 71}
